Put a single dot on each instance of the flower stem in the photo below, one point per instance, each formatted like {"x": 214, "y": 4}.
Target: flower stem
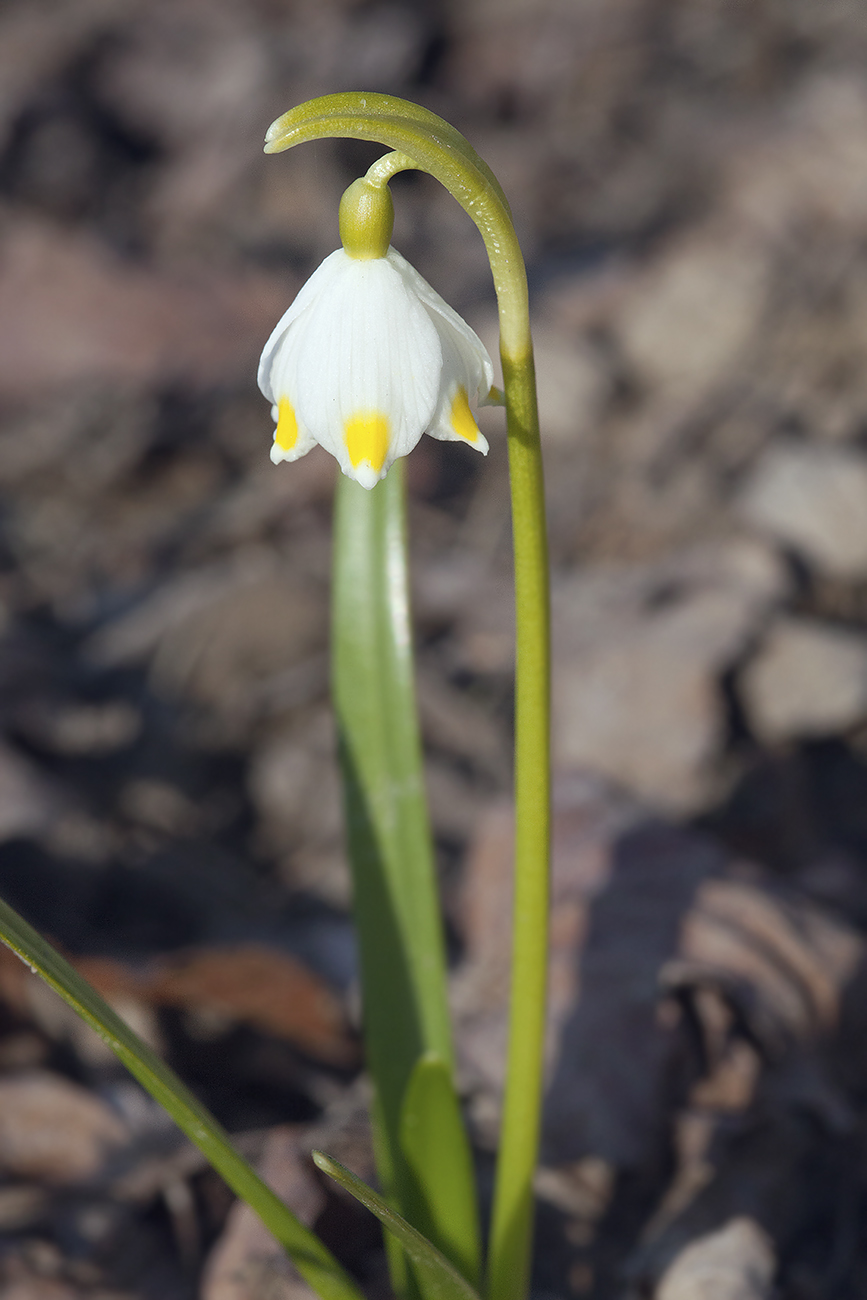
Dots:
{"x": 512, "y": 1225}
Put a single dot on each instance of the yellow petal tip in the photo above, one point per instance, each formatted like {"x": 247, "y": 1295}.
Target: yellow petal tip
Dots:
{"x": 462, "y": 417}
{"x": 367, "y": 439}
{"x": 286, "y": 433}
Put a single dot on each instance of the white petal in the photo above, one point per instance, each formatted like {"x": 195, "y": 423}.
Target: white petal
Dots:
{"x": 306, "y": 442}
{"x": 466, "y": 343}
{"x": 368, "y": 357}
{"x": 368, "y": 348}
{"x": 311, "y": 289}
{"x": 453, "y": 420}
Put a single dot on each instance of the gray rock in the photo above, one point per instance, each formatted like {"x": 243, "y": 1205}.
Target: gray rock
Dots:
{"x": 736, "y": 1262}
{"x": 813, "y": 499}
{"x": 691, "y": 317}
{"x": 572, "y": 382}
{"x": 808, "y": 679}
{"x": 54, "y": 1130}
{"x": 29, "y": 802}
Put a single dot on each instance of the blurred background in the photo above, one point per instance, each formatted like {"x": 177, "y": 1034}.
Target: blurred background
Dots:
{"x": 689, "y": 181}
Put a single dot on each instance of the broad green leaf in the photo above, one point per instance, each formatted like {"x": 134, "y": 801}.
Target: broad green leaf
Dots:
{"x": 396, "y": 904}
{"x": 435, "y": 1146}
{"x": 440, "y": 1279}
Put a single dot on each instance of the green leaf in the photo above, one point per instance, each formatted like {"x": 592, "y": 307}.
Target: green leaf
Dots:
{"x": 396, "y": 903}
{"x": 435, "y": 1146}
{"x": 310, "y": 1256}
{"x": 440, "y": 1279}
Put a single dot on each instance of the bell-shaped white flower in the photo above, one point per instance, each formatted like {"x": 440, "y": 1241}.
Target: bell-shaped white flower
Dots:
{"x": 366, "y": 360}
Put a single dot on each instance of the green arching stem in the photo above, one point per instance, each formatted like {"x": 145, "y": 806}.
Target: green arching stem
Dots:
{"x": 432, "y": 145}
{"x": 512, "y": 1223}
{"x": 423, "y": 141}
{"x": 387, "y": 167}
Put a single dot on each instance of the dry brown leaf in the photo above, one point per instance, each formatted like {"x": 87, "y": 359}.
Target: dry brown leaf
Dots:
{"x": 587, "y": 815}
{"x": 248, "y": 983}
{"x": 608, "y": 1092}
{"x": 263, "y": 987}
{"x": 794, "y": 960}
{"x": 71, "y": 309}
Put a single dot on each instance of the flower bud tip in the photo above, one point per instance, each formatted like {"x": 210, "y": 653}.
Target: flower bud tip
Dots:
{"x": 366, "y": 220}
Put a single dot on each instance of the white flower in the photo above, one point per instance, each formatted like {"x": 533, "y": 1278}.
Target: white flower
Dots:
{"x": 366, "y": 360}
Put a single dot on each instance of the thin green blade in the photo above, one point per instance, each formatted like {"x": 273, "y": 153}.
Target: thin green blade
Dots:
{"x": 312, "y": 1259}
{"x": 440, "y": 1278}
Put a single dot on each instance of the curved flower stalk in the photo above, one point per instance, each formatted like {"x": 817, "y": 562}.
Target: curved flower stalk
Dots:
{"x": 392, "y": 421}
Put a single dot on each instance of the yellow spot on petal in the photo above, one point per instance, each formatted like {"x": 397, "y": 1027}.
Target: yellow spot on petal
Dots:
{"x": 462, "y": 417}
{"x": 286, "y": 433}
{"x": 367, "y": 439}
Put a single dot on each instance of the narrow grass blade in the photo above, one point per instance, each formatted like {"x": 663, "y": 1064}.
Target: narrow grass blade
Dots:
{"x": 313, "y": 1261}
{"x": 440, "y": 1279}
